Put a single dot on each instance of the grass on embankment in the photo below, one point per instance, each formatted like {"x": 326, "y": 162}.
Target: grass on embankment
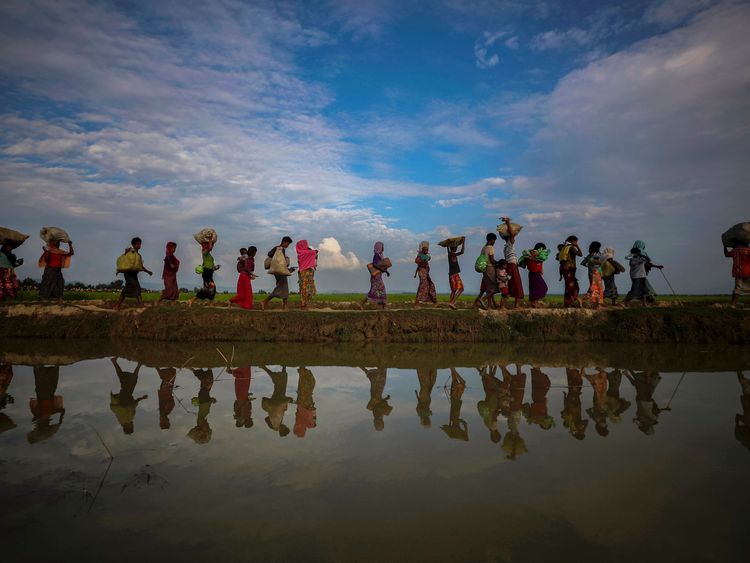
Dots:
{"x": 333, "y": 299}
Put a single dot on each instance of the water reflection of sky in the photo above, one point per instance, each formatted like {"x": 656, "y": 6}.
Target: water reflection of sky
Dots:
{"x": 346, "y": 491}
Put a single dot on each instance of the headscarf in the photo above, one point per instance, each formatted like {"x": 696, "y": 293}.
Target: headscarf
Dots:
{"x": 609, "y": 253}
{"x": 170, "y": 258}
{"x": 424, "y": 244}
{"x": 378, "y": 253}
{"x": 306, "y": 257}
{"x": 640, "y": 245}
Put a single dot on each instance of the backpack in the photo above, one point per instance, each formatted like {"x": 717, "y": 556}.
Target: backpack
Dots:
{"x": 480, "y": 265}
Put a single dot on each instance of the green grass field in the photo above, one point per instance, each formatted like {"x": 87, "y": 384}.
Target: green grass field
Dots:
{"x": 334, "y": 298}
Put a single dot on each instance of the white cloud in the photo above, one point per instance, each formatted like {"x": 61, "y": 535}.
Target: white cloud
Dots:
{"x": 670, "y": 12}
{"x": 482, "y": 47}
{"x": 331, "y": 257}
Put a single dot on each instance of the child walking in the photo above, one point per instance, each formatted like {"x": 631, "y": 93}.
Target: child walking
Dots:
{"x": 610, "y": 268}
{"x": 593, "y": 262}
{"x": 454, "y": 272}
{"x": 640, "y": 263}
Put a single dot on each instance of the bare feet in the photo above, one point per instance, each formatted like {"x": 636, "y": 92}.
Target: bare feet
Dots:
{"x": 452, "y": 306}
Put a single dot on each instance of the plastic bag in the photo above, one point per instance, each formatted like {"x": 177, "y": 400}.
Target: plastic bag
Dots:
{"x": 480, "y": 265}
{"x": 738, "y": 234}
{"x": 51, "y": 234}
{"x": 14, "y": 237}
{"x": 129, "y": 261}
{"x": 279, "y": 264}
{"x": 206, "y": 235}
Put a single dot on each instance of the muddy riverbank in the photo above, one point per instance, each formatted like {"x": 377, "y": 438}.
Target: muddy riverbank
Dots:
{"x": 679, "y": 325}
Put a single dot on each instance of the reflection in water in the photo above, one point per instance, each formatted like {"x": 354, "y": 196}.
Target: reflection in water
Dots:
{"x": 536, "y": 412}
{"x": 6, "y": 376}
{"x": 457, "y": 428}
{"x": 742, "y": 421}
{"x": 598, "y": 410}
{"x": 616, "y": 405}
{"x": 201, "y": 432}
{"x": 278, "y": 402}
{"x": 513, "y": 444}
{"x": 571, "y": 414}
{"x": 427, "y": 378}
{"x": 378, "y": 404}
{"x": 46, "y": 404}
{"x": 647, "y": 411}
{"x": 166, "y": 395}
{"x": 243, "y": 402}
{"x": 306, "y": 416}
{"x": 123, "y": 404}
{"x": 489, "y": 407}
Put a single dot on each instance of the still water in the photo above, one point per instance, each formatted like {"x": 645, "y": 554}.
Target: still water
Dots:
{"x": 201, "y": 453}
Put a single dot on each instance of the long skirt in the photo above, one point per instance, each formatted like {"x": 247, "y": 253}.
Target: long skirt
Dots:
{"x": 596, "y": 289}
{"x": 282, "y": 287}
{"x": 537, "y": 286}
{"x": 171, "y": 291}
{"x": 377, "y": 292}
{"x": 244, "y": 297}
{"x": 132, "y": 285}
{"x": 610, "y": 287}
{"x": 426, "y": 291}
{"x": 8, "y": 283}
{"x": 571, "y": 286}
{"x": 208, "y": 291}
{"x": 307, "y": 289}
{"x": 515, "y": 286}
{"x": 638, "y": 289}
{"x": 53, "y": 284}
{"x": 489, "y": 280}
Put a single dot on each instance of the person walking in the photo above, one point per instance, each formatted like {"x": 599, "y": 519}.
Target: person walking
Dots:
{"x": 454, "y": 272}
{"x": 534, "y": 260}
{"x": 206, "y": 270}
{"x": 377, "y": 268}
{"x": 132, "y": 285}
{"x": 171, "y": 290}
{"x": 740, "y": 255}
{"x": 307, "y": 260}
{"x": 515, "y": 286}
{"x": 426, "y": 292}
{"x": 567, "y": 258}
{"x": 245, "y": 269}
{"x": 489, "y": 276}
{"x": 281, "y": 289}
{"x": 53, "y": 260}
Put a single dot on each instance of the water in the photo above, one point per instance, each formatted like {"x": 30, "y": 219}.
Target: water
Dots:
{"x": 334, "y": 462}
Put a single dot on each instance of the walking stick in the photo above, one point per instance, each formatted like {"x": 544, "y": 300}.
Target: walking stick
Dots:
{"x": 669, "y": 403}
{"x": 670, "y": 286}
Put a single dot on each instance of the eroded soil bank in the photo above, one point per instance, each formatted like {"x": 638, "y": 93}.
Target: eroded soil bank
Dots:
{"x": 686, "y": 325}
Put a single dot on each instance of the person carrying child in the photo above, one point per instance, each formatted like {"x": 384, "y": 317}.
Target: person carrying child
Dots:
{"x": 567, "y": 258}
{"x": 740, "y": 255}
{"x": 245, "y": 268}
{"x": 534, "y": 260}
{"x": 640, "y": 264}
{"x": 454, "y": 272}
{"x": 593, "y": 261}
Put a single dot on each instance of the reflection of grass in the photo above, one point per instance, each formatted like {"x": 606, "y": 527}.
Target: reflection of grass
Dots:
{"x": 347, "y": 297}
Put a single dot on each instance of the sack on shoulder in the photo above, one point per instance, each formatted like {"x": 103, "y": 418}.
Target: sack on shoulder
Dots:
{"x": 279, "y": 264}
{"x": 128, "y": 261}
{"x": 480, "y": 265}
{"x": 608, "y": 269}
{"x": 267, "y": 262}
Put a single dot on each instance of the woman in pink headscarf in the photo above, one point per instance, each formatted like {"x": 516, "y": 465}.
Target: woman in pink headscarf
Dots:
{"x": 308, "y": 260}
{"x": 169, "y": 275}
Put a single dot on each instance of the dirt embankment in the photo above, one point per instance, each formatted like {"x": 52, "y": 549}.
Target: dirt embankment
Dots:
{"x": 688, "y": 325}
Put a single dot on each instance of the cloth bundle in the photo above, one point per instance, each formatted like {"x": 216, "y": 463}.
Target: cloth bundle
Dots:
{"x": 15, "y": 238}
{"x": 206, "y": 235}
{"x": 502, "y": 229}
{"x": 130, "y": 261}
{"x": 450, "y": 242}
{"x": 738, "y": 234}
{"x": 52, "y": 234}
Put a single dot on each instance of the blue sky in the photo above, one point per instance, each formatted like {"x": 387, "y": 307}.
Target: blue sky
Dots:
{"x": 345, "y": 122}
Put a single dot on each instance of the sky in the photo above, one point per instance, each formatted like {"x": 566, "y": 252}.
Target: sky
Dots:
{"x": 344, "y": 122}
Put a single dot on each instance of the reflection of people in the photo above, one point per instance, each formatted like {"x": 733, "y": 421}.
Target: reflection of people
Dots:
{"x": 201, "y": 432}
{"x": 166, "y": 395}
{"x": 598, "y": 410}
{"x": 306, "y": 416}
{"x": 243, "y": 406}
{"x": 6, "y": 376}
{"x": 427, "y": 378}
{"x": 616, "y": 405}
{"x": 536, "y": 411}
{"x": 571, "y": 414}
{"x": 489, "y": 407}
{"x": 513, "y": 443}
{"x": 378, "y": 404}
{"x": 456, "y": 427}
{"x": 742, "y": 421}
{"x": 123, "y": 404}
{"x": 276, "y": 404}
{"x": 46, "y": 404}
{"x": 647, "y": 411}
